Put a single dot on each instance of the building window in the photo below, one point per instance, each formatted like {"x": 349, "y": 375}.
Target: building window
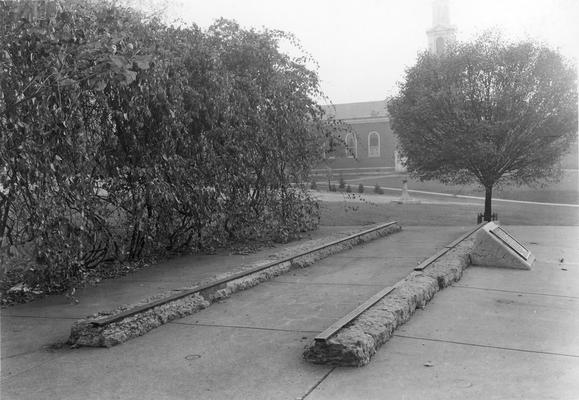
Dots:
{"x": 373, "y": 144}
{"x": 351, "y": 146}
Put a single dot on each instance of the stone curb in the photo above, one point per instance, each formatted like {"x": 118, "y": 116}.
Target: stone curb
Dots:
{"x": 106, "y": 329}
{"x": 356, "y": 342}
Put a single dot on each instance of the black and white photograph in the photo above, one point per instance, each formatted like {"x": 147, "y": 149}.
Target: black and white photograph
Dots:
{"x": 293, "y": 200}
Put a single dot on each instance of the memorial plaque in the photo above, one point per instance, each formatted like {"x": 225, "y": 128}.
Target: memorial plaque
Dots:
{"x": 510, "y": 241}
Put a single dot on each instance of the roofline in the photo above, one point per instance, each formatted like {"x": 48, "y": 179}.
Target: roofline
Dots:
{"x": 364, "y": 119}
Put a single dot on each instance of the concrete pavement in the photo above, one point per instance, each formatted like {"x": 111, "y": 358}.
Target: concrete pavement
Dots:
{"x": 496, "y": 334}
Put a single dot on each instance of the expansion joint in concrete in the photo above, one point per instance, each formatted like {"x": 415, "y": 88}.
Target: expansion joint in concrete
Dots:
{"x": 302, "y": 283}
{"x": 318, "y": 383}
{"x": 37, "y": 317}
{"x": 255, "y": 328}
{"x": 514, "y": 292}
{"x": 7, "y": 378}
{"x": 487, "y": 346}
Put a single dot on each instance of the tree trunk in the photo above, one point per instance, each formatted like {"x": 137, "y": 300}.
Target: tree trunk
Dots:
{"x": 488, "y": 199}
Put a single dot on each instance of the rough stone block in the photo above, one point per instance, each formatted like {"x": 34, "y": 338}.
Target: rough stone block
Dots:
{"x": 491, "y": 251}
{"x": 356, "y": 343}
{"x": 86, "y": 333}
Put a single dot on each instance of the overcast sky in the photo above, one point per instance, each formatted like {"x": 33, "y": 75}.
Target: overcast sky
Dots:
{"x": 363, "y": 46}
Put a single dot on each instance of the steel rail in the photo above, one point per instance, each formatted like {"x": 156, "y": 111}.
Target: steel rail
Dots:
{"x": 223, "y": 281}
{"x": 339, "y": 324}
{"x": 336, "y": 326}
{"x": 446, "y": 249}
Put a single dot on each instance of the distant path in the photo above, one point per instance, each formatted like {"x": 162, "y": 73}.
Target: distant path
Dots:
{"x": 434, "y": 191}
{"x": 482, "y": 198}
{"x": 333, "y": 196}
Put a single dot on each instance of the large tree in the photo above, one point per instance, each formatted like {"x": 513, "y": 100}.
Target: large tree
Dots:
{"x": 487, "y": 111}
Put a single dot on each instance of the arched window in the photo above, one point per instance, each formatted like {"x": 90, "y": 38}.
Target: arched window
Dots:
{"x": 351, "y": 146}
{"x": 373, "y": 144}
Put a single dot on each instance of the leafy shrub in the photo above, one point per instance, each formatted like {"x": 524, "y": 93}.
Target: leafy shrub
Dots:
{"x": 348, "y": 189}
{"x": 313, "y": 185}
{"x": 360, "y": 188}
{"x": 342, "y": 184}
{"x": 124, "y": 138}
{"x": 378, "y": 189}
{"x": 333, "y": 188}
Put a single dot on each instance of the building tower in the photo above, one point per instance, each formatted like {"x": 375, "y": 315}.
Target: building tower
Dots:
{"x": 442, "y": 32}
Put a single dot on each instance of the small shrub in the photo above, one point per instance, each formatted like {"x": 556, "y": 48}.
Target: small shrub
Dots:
{"x": 348, "y": 189}
{"x": 313, "y": 185}
{"x": 360, "y": 188}
{"x": 378, "y": 189}
{"x": 342, "y": 183}
{"x": 333, "y": 188}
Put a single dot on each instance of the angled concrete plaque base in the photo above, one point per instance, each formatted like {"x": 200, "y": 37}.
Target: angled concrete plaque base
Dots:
{"x": 495, "y": 247}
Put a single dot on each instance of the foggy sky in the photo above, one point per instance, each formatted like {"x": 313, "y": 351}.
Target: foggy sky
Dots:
{"x": 363, "y": 46}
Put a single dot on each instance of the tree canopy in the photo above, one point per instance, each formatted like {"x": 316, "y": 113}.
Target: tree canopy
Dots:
{"x": 487, "y": 111}
{"x": 122, "y": 137}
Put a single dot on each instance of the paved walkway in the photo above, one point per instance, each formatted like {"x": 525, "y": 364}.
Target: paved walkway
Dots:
{"x": 495, "y": 334}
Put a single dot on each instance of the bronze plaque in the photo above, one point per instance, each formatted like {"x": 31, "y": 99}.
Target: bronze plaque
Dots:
{"x": 510, "y": 241}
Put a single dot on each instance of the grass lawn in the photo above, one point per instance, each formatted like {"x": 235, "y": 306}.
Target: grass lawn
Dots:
{"x": 337, "y": 213}
{"x": 565, "y": 191}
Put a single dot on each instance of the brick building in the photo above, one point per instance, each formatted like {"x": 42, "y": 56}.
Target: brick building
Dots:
{"x": 369, "y": 145}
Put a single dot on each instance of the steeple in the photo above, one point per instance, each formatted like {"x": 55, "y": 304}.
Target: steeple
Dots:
{"x": 442, "y": 32}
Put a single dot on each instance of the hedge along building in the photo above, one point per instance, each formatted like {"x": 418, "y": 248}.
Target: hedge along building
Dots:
{"x": 370, "y": 146}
